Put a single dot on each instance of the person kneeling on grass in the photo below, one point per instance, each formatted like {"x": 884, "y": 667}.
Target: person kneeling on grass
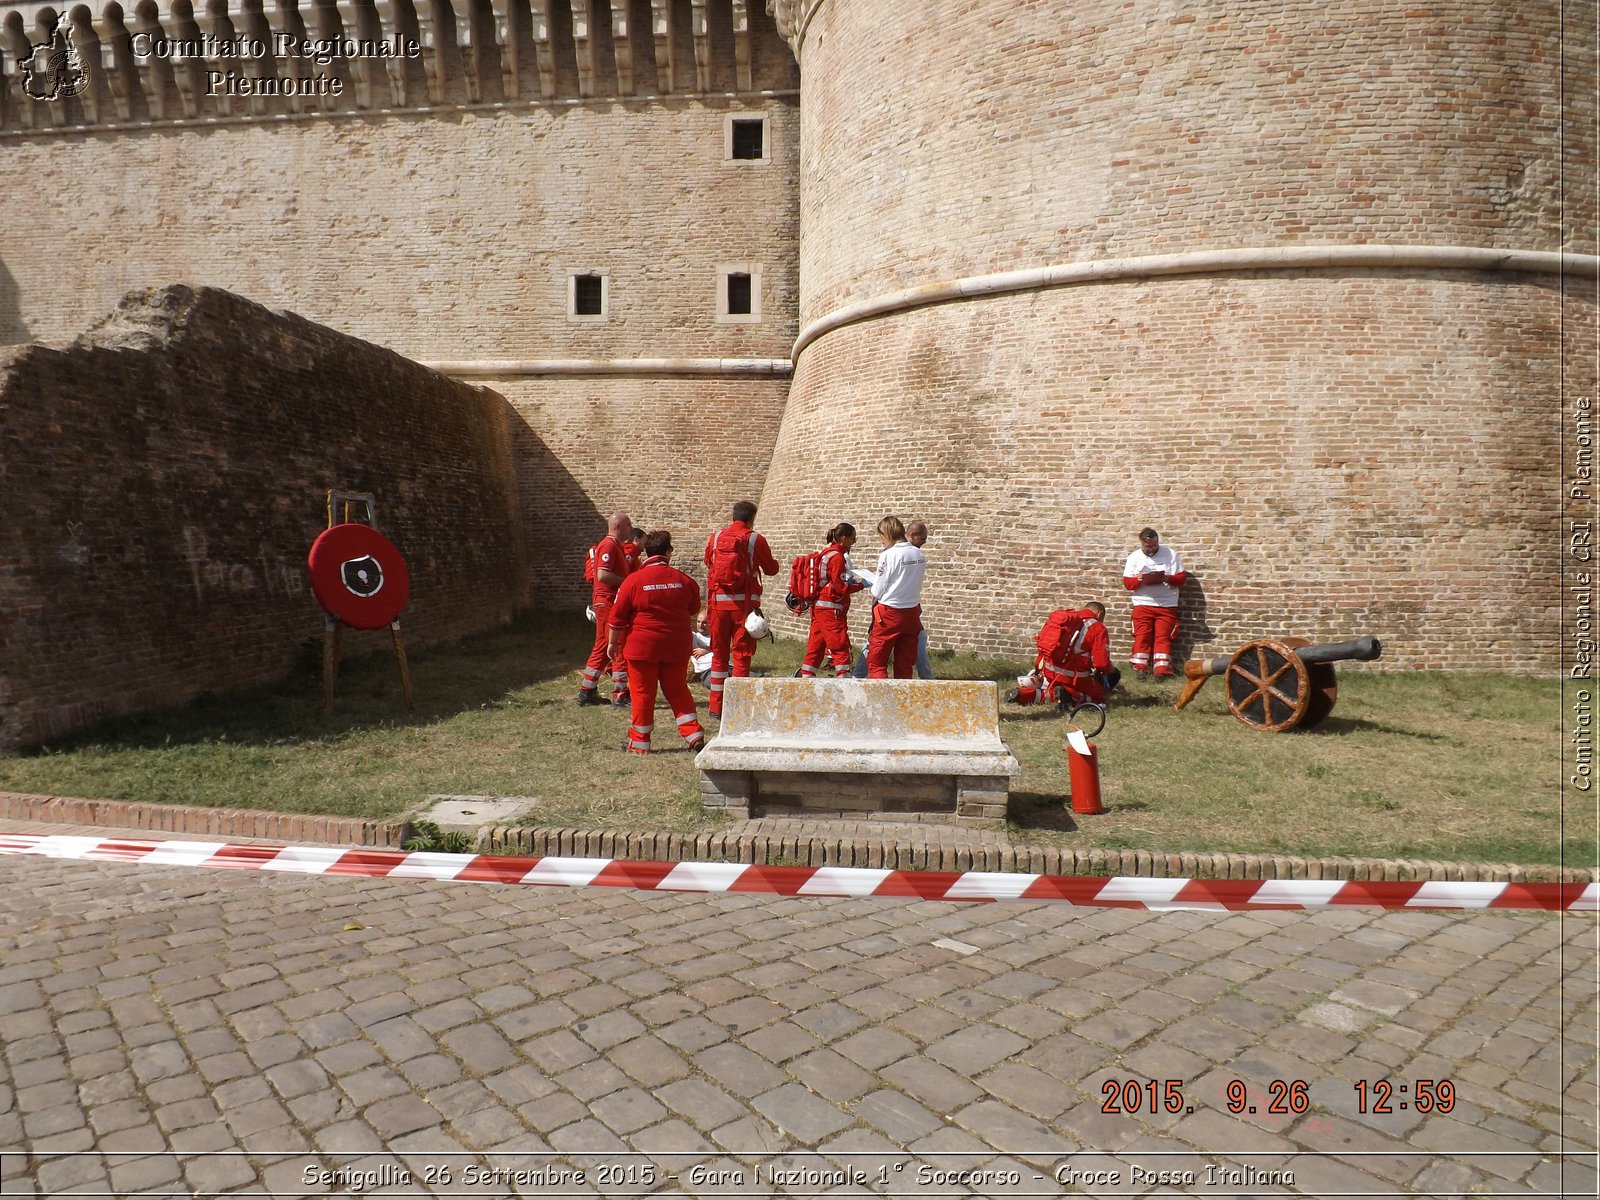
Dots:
{"x": 1074, "y": 663}
{"x": 700, "y": 652}
{"x": 651, "y": 624}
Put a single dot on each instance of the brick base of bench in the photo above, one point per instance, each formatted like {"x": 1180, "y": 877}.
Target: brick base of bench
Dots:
{"x": 889, "y": 797}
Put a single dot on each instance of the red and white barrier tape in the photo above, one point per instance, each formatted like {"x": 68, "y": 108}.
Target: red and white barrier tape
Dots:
{"x": 1120, "y": 892}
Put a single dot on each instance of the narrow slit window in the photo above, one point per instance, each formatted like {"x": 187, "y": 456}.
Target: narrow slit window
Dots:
{"x": 738, "y": 294}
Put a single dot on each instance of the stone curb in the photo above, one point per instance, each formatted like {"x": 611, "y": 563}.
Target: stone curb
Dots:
{"x": 894, "y": 853}
{"x": 883, "y": 851}
{"x": 210, "y": 822}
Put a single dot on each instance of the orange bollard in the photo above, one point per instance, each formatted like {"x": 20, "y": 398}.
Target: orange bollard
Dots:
{"x": 1083, "y": 765}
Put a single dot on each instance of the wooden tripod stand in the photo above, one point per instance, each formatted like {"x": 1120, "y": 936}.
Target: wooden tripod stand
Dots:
{"x": 347, "y": 508}
{"x": 332, "y": 644}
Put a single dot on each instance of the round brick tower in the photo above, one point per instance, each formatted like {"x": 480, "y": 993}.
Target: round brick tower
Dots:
{"x": 1287, "y": 285}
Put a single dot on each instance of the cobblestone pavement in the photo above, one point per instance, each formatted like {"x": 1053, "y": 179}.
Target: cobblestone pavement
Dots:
{"x": 168, "y": 1031}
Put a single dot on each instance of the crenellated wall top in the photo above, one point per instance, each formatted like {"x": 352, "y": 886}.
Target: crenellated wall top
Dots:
{"x": 170, "y": 60}
{"x": 164, "y": 10}
{"x": 35, "y": 14}
{"x": 186, "y": 19}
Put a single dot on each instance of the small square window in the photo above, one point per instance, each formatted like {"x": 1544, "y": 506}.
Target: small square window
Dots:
{"x": 738, "y": 294}
{"x": 588, "y": 296}
{"x": 744, "y": 140}
{"x": 749, "y": 139}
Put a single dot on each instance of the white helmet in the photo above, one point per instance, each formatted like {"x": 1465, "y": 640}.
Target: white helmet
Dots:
{"x": 756, "y": 626}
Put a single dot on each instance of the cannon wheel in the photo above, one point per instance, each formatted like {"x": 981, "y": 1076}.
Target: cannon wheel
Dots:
{"x": 1324, "y": 688}
{"x": 1269, "y": 688}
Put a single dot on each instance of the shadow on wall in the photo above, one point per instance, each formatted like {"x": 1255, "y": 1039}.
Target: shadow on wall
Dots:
{"x": 560, "y": 520}
{"x": 13, "y": 330}
{"x": 1194, "y": 627}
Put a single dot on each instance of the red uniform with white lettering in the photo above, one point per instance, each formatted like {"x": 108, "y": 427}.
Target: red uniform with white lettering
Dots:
{"x": 653, "y": 620}
{"x": 608, "y": 554}
{"x": 729, "y": 602}
{"x": 830, "y": 631}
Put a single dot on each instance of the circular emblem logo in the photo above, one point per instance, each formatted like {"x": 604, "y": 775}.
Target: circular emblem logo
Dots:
{"x": 54, "y": 70}
{"x": 358, "y": 576}
{"x": 363, "y": 576}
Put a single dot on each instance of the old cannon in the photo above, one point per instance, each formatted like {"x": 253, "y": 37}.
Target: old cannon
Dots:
{"x": 1278, "y": 684}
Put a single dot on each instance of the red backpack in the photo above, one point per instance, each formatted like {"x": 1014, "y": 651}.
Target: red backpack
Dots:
{"x": 1062, "y": 635}
{"x": 732, "y": 569}
{"x": 805, "y": 581}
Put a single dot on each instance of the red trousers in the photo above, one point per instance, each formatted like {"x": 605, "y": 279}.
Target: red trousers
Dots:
{"x": 643, "y": 676}
{"x": 830, "y": 635}
{"x": 1077, "y": 680}
{"x": 894, "y": 632}
{"x": 599, "y": 660}
{"x": 732, "y": 650}
{"x": 1153, "y": 624}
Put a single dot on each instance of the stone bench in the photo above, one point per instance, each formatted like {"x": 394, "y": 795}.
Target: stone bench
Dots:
{"x": 864, "y": 748}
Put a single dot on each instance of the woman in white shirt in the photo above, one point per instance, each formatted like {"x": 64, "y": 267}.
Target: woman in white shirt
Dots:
{"x": 897, "y": 604}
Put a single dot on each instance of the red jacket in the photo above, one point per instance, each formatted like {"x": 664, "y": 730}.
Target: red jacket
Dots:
{"x": 834, "y": 589}
{"x": 1095, "y": 653}
{"x": 653, "y": 618}
{"x": 761, "y": 563}
{"x": 608, "y": 554}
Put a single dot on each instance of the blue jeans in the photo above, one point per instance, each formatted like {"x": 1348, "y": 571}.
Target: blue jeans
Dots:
{"x": 924, "y": 667}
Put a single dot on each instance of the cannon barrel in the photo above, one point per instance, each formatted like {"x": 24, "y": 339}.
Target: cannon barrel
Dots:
{"x": 1363, "y": 649}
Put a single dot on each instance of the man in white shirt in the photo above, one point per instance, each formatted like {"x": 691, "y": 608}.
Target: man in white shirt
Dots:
{"x": 1153, "y": 573}
{"x": 897, "y": 607}
{"x": 700, "y": 654}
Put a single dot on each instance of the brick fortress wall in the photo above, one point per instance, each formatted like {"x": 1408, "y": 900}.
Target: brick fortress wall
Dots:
{"x": 1336, "y": 451}
{"x": 164, "y": 477}
{"x": 440, "y": 214}
{"x": 1306, "y": 489}
{"x": 444, "y": 236}
{"x": 1368, "y": 419}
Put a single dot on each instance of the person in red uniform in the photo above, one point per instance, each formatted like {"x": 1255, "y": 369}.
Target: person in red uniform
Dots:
{"x": 651, "y": 626}
{"x": 830, "y": 631}
{"x": 1153, "y": 573}
{"x": 633, "y": 547}
{"x": 1081, "y": 670}
{"x": 609, "y": 560}
{"x": 1090, "y": 675}
{"x": 736, "y": 558}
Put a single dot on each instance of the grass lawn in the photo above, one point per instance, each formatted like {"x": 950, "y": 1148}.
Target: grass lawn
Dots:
{"x": 1410, "y": 765}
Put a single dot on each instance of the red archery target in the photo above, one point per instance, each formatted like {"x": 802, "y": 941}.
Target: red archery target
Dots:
{"x": 358, "y": 576}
